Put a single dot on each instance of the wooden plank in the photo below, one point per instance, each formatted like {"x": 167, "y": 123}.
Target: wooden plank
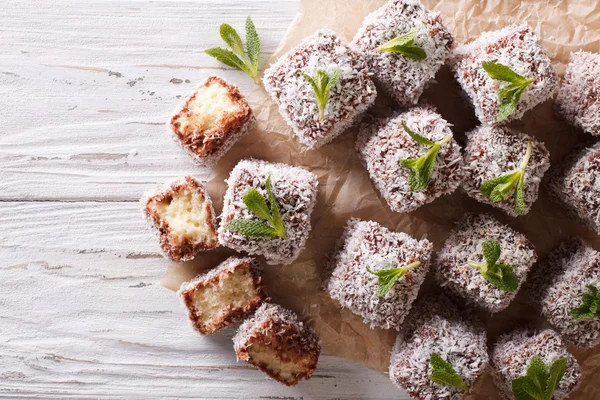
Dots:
{"x": 83, "y": 315}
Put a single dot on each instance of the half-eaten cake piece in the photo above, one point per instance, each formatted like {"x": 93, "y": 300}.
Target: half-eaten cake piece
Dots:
{"x": 211, "y": 120}
{"x": 279, "y": 344}
{"x": 440, "y": 351}
{"x": 398, "y": 152}
{"x": 484, "y": 262}
{"x": 504, "y": 168}
{"x": 267, "y": 209}
{"x": 405, "y": 44}
{"x": 182, "y": 215}
{"x": 505, "y": 73}
{"x": 321, "y": 87}
{"x": 578, "y": 99}
{"x": 535, "y": 362}
{"x": 223, "y": 295}
{"x": 376, "y": 273}
{"x": 564, "y": 288}
{"x": 575, "y": 184}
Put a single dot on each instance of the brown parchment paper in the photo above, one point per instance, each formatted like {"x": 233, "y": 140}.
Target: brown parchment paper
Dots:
{"x": 345, "y": 189}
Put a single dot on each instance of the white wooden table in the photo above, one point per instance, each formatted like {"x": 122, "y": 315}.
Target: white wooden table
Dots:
{"x": 85, "y": 90}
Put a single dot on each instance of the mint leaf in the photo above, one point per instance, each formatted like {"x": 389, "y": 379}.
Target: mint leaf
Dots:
{"x": 510, "y": 95}
{"x": 501, "y": 276}
{"x": 557, "y": 370}
{"x": 251, "y": 228}
{"x": 236, "y": 57}
{"x": 404, "y": 44}
{"x": 422, "y": 168}
{"x": 590, "y": 306}
{"x": 257, "y": 204}
{"x": 322, "y": 83}
{"x": 252, "y": 43}
{"x": 388, "y": 277}
{"x": 444, "y": 374}
{"x": 499, "y": 188}
{"x": 539, "y": 383}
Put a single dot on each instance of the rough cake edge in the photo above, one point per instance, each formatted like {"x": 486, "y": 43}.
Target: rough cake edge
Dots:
{"x": 232, "y": 134}
{"x": 154, "y": 221}
{"x": 187, "y": 290}
{"x": 305, "y": 340}
{"x": 229, "y": 239}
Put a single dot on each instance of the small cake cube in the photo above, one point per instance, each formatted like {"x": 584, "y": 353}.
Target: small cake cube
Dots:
{"x": 211, "y": 120}
{"x": 295, "y": 193}
{"x": 403, "y": 78}
{"x": 578, "y": 99}
{"x": 492, "y": 152}
{"x": 436, "y": 325}
{"x": 182, "y": 215}
{"x": 454, "y": 269}
{"x": 576, "y": 185}
{"x": 365, "y": 249}
{"x": 382, "y": 146}
{"x": 349, "y": 97}
{"x": 511, "y": 355}
{"x": 516, "y": 47}
{"x": 279, "y": 344}
{"x": 558, "y": 286}
{"x": 223, "y": 295}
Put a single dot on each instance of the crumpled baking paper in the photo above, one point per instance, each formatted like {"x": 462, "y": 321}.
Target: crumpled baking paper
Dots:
{"x": 345, "y": 189}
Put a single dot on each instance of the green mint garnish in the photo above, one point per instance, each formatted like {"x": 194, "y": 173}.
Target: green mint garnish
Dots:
{"x": 322, "y": 83}
{"x": 590, "y": 306}
{"x": 500, "y": 275}
{"x": 257, "y": 204}
{"x": 422, "y": 168}
{"x": 497, "y": 189}
{"x": 510, "y": 94}
{"x": 539, "y": 382}
{"x": 443, "y": 373}
{"x": 388, "y": 277}
{"x": 236, "y": 57}
{"x": 404, "y": 44}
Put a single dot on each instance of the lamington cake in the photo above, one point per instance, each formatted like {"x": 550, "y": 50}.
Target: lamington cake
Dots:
{"x": 364, "y": 253}
{"x": 576, "y": 185}
{"x": 279, "y": 344}
{"x": 352, "y": 94}
{"x": 211, "y": 120}
{"x": 384, "y": 144}
{"x": 578, "y": 99}
{"x": 492, "y": 152}
{"x": 294, "y": 193}
{"x": 512, "y": 353}
{"x": 564, "y": 289}
{"x": 400, "y": 75}
{"x": 516, "y": 47}
{"x": 182, "y": 215}
{"x": 223, "y": 295}
{"x": 455, "y": 269}
{"x": 437, "y": 329}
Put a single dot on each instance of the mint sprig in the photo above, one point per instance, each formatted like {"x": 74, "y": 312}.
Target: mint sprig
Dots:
{"x": 590, "y": 305}
{"x": 322, "y": 82}
{"x": 510, "y": 94}
{"x": 499, "y": 188}
{"x": 501, "y": 276}
{"x": 444, "y": 374}
{"x": 236, "y": 57}
{"x": 257, "y": 204}
{"x": 539, "y": 383}
{"x": 388, "y": 277}
{"x": 404, "y": 44}
{"x": 422, "y": 168}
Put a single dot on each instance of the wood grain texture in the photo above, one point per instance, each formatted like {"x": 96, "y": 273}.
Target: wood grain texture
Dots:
{"x": 85, "y": 90}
